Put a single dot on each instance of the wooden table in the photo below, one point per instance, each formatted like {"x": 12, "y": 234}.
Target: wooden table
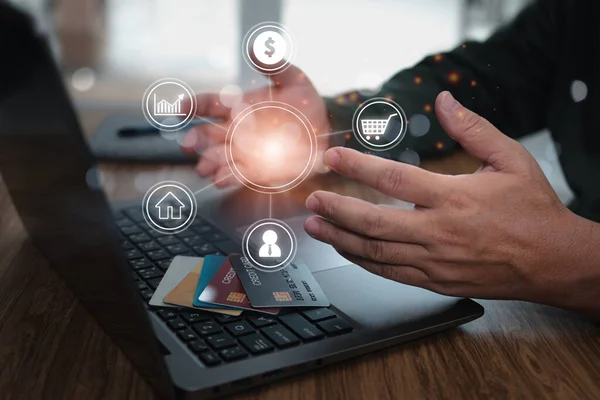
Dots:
{"x": 51, "y": 348}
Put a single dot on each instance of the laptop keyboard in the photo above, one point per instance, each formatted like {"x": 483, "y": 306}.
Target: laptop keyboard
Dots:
{"x": 214, "y": 338}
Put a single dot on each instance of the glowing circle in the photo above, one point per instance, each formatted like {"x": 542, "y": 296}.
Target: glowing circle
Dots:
{"x": 272, "y": 149}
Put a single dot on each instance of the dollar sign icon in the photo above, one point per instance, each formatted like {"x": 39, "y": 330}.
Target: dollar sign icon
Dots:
{"x": 269, "y": 45}
{"x": 269, "y": 48}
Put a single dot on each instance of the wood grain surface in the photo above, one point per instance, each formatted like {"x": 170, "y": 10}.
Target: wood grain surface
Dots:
{"x": 51, "y": 348}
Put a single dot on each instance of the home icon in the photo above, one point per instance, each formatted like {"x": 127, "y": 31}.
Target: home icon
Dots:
{"x": 169, "y": 207}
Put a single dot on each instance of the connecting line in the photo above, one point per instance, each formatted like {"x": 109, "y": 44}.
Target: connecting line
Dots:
{"x": 333, "y": 133}
{"x": 270, "y": 92}
{"x": 208, "y": 121}
{"x": 270, "y": 205}
{"x": 213, "y": 184}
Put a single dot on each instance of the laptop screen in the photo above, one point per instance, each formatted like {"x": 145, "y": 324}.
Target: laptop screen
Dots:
{"x": 50, "y": 176}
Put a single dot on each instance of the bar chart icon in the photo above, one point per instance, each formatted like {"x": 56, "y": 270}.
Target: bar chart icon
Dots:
{"x": 164, "y": 108}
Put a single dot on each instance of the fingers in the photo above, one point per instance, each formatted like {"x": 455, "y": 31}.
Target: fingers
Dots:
{"x": 402, "y": 181}
{"x": 405, "y": 274}
{"x": 368, "y": 248}
{"x": 224, "y": 178}
{"x": 211, "y": 161}
{"x": 208, "y": 105}
{"x": 203, "y": 136}
{"x": 288, "y": 76}
{"x": 369, "y": 220}
{"x": 477, "y": 135}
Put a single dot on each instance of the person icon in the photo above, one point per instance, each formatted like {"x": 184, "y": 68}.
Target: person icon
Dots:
{"x": 270, "y": 248}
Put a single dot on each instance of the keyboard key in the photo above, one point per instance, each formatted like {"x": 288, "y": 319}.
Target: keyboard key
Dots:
{"x": 187, "y": 335}
{"x": 122, "y": 222}
{"x": 149, "y": 273}
{"x": 233, "y": 353}
{"x": 148, "y": 246}
{"x": 139, "y": 285}
{"x": 209, "y": 358}
{"x": 223, "y": 318}
{"x": 164, "y": 264}
{"x": 239, "y": 328}
{"x": 228, "y": 247}
{"x": 191, "y": 317}
{"x": 177, "y": 249}
{"x": 198, "y": 346}
{"x": 261, "y": 321}
{"x": 302, "y": 327}
{"x": 204, "y": 249}
{"x": 184, "y": 234}
{"x": 154, "y": 282}
{"x": 334, "y": 326}
{"x": 126, "y": 244}
{"x": 207, "y": 328}
{"x": 135, "y": 214}
{"x": 176, "y": 324}
{"x": 133, "y": 254}
{"x": 280, "y": 336}
{"x": 140, "y": 237}
{"x": 318, "y": 314}
{"x": 168, "y": 240}
{"x": 147, "y": 294}
{"x": 166, "y": 314}
{"x": 256, "y": 344}
{"x": 220, "y": 341}
{"x": 141, "y": 263}
{"x": 202, "y": 228}
{"x": 214, "y": 237}
{"x": 195, "y": 240}
{"x": 158, "y": 255}
{"x": 130, "y": 230}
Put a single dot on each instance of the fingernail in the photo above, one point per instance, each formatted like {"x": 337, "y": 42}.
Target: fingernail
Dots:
{"x": 449, "y": 103}
{"x": 312, "y": 203}
{"x": 311, "y": 226}
{"x": 331, "y": 157}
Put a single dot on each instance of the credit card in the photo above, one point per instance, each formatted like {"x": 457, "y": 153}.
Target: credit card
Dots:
{"x": 225, "y": 289}
{"x": 183, "y": 294}
{"x": 179, "y": 268}
{"x": 292, "y": 286}
{"x": 211, "y": 266}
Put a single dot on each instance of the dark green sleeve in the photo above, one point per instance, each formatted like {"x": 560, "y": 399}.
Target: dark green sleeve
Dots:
{"x": 507, "y": 79}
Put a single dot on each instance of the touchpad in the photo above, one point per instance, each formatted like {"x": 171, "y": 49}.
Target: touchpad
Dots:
{"x": 376, "y": 302}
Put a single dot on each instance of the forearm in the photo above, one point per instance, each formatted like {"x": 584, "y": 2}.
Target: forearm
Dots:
{"x": 577, "y": 286}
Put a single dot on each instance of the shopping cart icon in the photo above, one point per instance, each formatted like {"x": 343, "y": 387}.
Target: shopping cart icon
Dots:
{"x": 374, "y": 128}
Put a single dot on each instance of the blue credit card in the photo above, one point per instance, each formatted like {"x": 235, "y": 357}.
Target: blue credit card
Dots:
{"x": 209, "y": 269}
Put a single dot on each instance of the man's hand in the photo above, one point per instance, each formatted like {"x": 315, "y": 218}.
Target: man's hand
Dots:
{"x": 499, "y": 233}
{"x": 291, "y": 87}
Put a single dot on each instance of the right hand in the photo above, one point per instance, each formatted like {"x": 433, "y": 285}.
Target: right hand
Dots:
{"x": 291, "y": 87}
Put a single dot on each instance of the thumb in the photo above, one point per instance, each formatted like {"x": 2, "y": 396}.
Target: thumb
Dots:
{"x": 477, "y": 135}
{"x": 287, "y": 75}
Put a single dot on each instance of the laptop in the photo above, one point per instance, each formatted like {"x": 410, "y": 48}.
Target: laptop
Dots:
{"x": 113, "y": 261}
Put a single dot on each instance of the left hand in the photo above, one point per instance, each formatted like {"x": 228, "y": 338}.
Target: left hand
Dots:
{"x": 499, "y": 233}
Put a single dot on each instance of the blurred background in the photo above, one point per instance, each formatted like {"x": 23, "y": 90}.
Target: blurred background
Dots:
{"x": 110, "y": 51}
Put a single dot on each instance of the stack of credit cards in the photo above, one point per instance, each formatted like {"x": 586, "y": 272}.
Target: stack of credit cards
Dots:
{"x": 230, "y": 285}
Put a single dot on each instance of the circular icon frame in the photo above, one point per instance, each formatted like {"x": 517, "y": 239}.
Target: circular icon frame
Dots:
{"x": 307, "y": 128}
{"x": 154, "y": 224}
{"x": 248, "y": 254}
{"x": 150, "y": 116}
{"x": 248, "y": 44}
{"x": 357, "y": 129}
